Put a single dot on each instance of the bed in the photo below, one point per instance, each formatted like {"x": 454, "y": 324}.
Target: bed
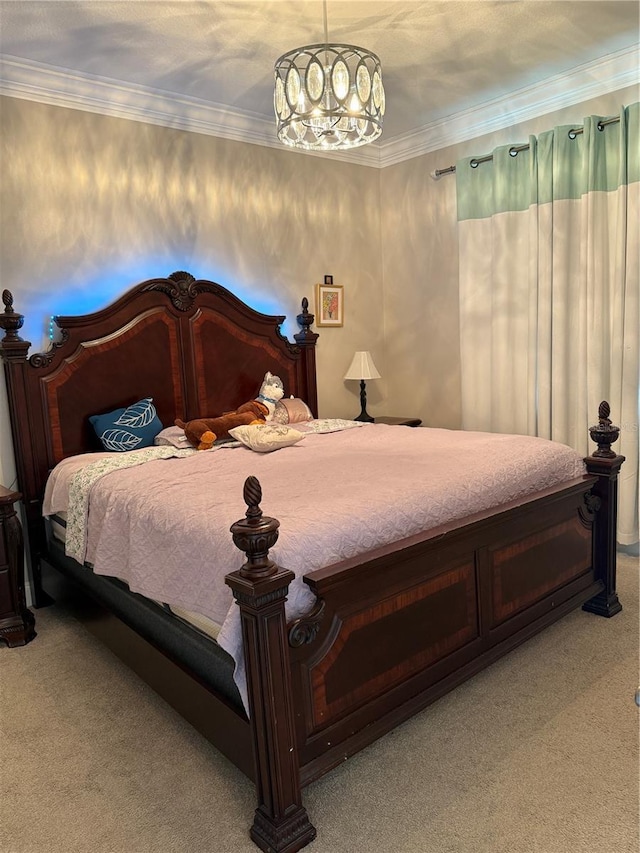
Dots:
{"x": 436, "y": 603}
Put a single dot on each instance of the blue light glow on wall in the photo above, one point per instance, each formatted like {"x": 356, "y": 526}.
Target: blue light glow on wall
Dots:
{"x": 72, "y": 297}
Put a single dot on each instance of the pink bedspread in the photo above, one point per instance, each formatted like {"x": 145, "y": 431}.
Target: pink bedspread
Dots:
{"x": 163, "y": 527}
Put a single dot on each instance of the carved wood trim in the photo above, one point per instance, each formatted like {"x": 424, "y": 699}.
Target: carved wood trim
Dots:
{"x": 591, "y": 504}
{"x": 304, "y": 630}
{"x": 44, "y": 359}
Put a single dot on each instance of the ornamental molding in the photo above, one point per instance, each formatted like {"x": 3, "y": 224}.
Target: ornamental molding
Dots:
{"x": 47, "y": 84}
{"x": 591, "y": 80}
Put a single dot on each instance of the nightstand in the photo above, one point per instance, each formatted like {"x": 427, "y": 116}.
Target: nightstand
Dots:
{"x": 16, "y": 621}
{"x": 410, "y": 422}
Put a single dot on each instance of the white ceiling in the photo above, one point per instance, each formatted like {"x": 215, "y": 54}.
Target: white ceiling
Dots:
{"x": 215, "y": 59}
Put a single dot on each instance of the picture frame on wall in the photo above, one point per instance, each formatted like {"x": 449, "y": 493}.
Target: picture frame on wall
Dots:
{"x": 329, "y": 304}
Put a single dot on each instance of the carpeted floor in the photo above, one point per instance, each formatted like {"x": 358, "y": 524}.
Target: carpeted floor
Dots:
{"x": 537, "y": 754}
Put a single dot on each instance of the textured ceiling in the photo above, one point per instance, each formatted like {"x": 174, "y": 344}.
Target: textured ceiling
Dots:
{"x": 439, "y": 58}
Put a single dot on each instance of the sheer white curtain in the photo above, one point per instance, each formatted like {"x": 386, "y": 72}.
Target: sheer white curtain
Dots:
{"x": 549, "y": 285}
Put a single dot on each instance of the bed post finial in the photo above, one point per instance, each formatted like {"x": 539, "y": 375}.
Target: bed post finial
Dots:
{"x": 252, "y": 494}
{"x": 604, "y": 433}
{"x": 255, "y": 534}
{"x": 260, "y": 587}
{"x": 306, "y": 319}
{"x": 11, "y": 321}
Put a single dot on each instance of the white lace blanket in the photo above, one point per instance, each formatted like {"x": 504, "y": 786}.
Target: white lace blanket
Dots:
{"x": 163, "y": 527}
{"x": 83, "y": 480}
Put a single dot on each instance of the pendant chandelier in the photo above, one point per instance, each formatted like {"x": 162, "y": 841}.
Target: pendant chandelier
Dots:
{"x": 328, "y": 96}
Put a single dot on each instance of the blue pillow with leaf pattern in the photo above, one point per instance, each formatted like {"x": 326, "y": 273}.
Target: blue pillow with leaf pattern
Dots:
{"x": 128, "y": 429}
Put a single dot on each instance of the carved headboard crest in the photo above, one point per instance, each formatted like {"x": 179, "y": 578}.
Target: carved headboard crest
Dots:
{"x": 184, "y": 289}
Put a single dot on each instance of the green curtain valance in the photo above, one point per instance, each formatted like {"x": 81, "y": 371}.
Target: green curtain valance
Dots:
{"x": 508, "y": 183}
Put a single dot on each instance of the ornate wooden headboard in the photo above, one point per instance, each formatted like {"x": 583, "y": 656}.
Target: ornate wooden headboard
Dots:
{"x": 190, "y": 344}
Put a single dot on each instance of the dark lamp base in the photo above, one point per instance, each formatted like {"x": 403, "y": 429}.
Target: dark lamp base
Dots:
{"x": 364, "y": 415}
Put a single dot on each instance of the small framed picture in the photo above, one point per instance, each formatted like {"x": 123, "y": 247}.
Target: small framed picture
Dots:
{"x": 329, "y": 304}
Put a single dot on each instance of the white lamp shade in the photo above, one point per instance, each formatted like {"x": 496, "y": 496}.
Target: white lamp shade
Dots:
{"x": 362, "y": 367}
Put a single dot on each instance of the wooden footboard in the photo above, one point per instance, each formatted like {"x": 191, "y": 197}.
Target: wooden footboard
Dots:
{"x": 397, "y": 628}
{"x": 414, "y": 620}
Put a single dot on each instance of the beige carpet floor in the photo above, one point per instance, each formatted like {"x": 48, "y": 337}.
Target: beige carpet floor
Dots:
{"x": 537, "y": 754}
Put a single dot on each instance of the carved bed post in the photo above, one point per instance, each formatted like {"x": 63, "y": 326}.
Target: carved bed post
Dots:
{"x": 605, "y": 464}
{"x": 17, "y": 623}
{"x": 281, "y": 823}
{"x": 306, "y": 339}
{"x": 13, "y": 351}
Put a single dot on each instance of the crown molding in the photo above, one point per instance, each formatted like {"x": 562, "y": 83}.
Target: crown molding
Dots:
{"x": 590, "y": 80}
{"x": 35, "y": 81}
{"x": 47, "y": 84}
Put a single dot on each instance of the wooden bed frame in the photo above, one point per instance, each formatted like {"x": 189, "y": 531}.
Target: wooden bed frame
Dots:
{"x": 436, "y": 607}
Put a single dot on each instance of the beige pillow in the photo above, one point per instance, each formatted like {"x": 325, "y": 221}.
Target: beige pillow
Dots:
{"x": 292, "y": 411}
{"x": 266, "y": 437}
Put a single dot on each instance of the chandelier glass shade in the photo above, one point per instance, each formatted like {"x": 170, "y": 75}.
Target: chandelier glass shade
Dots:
{"x": 328, "y": 97}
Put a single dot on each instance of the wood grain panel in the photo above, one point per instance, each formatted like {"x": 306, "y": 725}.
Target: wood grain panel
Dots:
{"x": 218, "y": 341}
{"x": 99, "y": 376}
{"x": 383, "y": 644}
{"x": 525, "y": 571}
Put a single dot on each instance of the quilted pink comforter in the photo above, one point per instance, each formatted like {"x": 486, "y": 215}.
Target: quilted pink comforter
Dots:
{"x": 163, "y": 526}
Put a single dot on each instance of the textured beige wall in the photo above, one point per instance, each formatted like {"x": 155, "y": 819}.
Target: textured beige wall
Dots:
{"x": 420, "y": 267}
{"x": 93, "y": 204}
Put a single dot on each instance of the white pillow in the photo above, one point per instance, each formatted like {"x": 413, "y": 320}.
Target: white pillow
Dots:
{"x": 266, "y": 437}
{"x": 174, "y": 436}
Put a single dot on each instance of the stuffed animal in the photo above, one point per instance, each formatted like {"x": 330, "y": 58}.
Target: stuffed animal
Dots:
{"x": 202, "y": 432}
{"x": 271, "y": 391}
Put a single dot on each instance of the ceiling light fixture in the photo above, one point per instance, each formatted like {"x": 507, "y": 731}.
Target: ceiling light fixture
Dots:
{"x": 328, "y": 96}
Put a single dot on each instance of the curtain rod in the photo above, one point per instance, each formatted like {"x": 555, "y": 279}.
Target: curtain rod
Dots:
{"x": 515, "y": 149}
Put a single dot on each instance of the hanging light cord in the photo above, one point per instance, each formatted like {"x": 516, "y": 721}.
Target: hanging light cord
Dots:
{"x": 329, "y": 130}
{"x": 515, "y": 149}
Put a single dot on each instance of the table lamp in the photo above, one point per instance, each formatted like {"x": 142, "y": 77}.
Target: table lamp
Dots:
{"x": 362, "y": 367}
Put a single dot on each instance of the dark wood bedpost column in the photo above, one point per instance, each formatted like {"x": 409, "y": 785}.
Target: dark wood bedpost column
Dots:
{"x": 281, "y": 823}
{"x": 605, "y": 464}
{"x": 306, "y": 339}
{"x": 14, "y": 351}
{"x": 17, "y": 623}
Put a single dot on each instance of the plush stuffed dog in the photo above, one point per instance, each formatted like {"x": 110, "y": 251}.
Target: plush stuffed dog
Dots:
{"x": 202, "y": 432}
{"x": 271, "y": 391}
